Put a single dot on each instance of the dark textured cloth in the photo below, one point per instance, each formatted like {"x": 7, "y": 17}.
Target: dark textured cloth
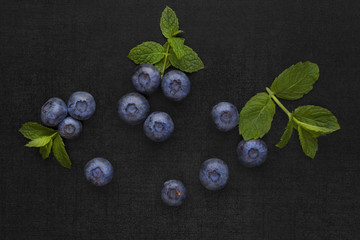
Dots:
{"x": 53, "y": 48}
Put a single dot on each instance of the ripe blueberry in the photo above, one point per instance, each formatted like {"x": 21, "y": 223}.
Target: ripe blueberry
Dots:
{"x": 158, "y": 126}
{"x": 225, "y": 116}
{"x": 252, "y": 153}
{"x": 53, "y": 112}
{"x": 146, "y": 78}
{"x": 81, "y": 105}
{"x": 133, "y": 108}
{"x": 214, "y": 174}
{"x": 99, "y": 171}
{"x": 70, "y": 128}
{"x": 175, "y": 85}
{"x": 173, "y": 193}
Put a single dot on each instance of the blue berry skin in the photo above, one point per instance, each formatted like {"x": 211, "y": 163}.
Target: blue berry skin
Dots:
{"x": 158, "y": 126}
{"x": 173, "y": 193}
{"x": 225, "y": 116}
{"x": 252, "y": 153}
{"x": 70, "y": 128}
{"x": 133, "y": 108}
{"x": 99, "y": 171}
{"x": 175, "y": 85}
{"x": 81, "y": 105}
{"x": 214, "y": 174}
{"x": 146, "y": 79}
{"x": 53, "y": 112}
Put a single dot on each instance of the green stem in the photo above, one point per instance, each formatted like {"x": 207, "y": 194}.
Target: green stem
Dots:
{"x": 272, "y": 95}
{"x": 166, "y": 59}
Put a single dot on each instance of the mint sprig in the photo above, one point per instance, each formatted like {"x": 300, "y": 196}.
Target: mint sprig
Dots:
{"x": 46, "y": 139}
{"x": 173, "y": 53}
{"x": 310, "y": 121}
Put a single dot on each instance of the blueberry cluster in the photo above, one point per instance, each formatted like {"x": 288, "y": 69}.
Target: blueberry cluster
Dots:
{"x": 133, "y": 108}
{"x": 81, "y": 106}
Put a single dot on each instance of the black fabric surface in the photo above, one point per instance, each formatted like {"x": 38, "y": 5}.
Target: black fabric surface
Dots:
{"x": 53, "y": 48}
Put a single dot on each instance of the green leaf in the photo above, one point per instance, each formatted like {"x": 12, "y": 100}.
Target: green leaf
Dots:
{"x": 60, "y": 153}
{"x": 256, "y": 116}
{"x": 308, "y": 142}
{"x": 177, "y": 45}
{"x": 286, "y": 135}
{"x": 33, "y": 130}
{"x": 296, "y": 81}
{"x": 169, "y": 23}
{"x": 39, "y": 142}
{"x": 190, "y": 62}
{"x": 177, "y": 32}
{"x": 160, "y": 65}
{"x": 147, "y": 52}
{"x": 315, "y": 119}
{"x": 45, "y": 150}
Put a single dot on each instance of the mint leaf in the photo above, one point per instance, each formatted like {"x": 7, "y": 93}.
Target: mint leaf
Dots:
{"x": 316, "y": 119}
{"x": 45, "y": 150}
{"x": 60, "y": 153}
{"x": 177, "y": 32}
{"x": 39, "y": 142}
{"x": 33, "y": 130}
{"x": 177, "y": 45}
{"x": 296, "y": 81}
{"x": 169, "y": 23}
{"x": 286, "y": 135}
{"x": 256, "y": 116}
{"x": 308, "y": 142}
{"x": 190, "y": 62}
{"x": 147, "y": 52}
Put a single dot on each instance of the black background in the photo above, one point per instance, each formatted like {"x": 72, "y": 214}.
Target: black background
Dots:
{"x": 53, "y": 48}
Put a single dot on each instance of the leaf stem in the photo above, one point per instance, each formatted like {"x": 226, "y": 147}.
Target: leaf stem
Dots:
{"x": 165, "y": 61}
{"x": 272, "y": 95}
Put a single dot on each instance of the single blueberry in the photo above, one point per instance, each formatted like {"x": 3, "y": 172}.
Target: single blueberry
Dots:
{"x": 175, "y": 85}
{"x": 252, "y": 153}
{"x": 214, "y": 174}
{"x": 158, "y": 126}
{"x": 225, "y": 116}
{"x": 53, "y": 111}
{"x": 99, "y": 171}
{"x": 81, "y": 105}
{"x": 146, "y": 78}
{"x": 133, "y": 108}
{"x": 70, "y": 128}
{"x": 173, "y": 193}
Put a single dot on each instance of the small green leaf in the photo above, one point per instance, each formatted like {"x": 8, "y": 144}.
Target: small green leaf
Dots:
{"x": 60, "y": 153}
{"x": 169, "y": 23}
{"x": 296, "y": 81}
{"x": 33, "y": 130}
{"x": 190, "y": 62}
{"x": 177, "y": 45}
{"x": 316, "y": 119}
{"x": 256, "y": 116}
{"x": 147, "y": 52}
{"x": 45, "y": 150}
{"x": 177, "y": 32}
{"x": 39, "y": 142}
{"x": 308, "y": 142}
{"x": 287, "y": 135}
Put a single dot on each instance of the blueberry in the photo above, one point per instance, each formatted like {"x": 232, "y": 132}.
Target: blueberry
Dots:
{"x": 158, "y": 126}
{"x": 133, "y": 108}
{"x": 53, "y": 112}
{"x": 146, "y": 78}
{"x": 175, "y": 85}
{"x": 214, "y": 174}
{"x": 99, "y": 171}
{"x": 225, "y": 116}
{"x": 70, "y": 128}
{"x": 173, "y": 193}
{"x": 81, "y": 105}
{"x": 252, "y": 153}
